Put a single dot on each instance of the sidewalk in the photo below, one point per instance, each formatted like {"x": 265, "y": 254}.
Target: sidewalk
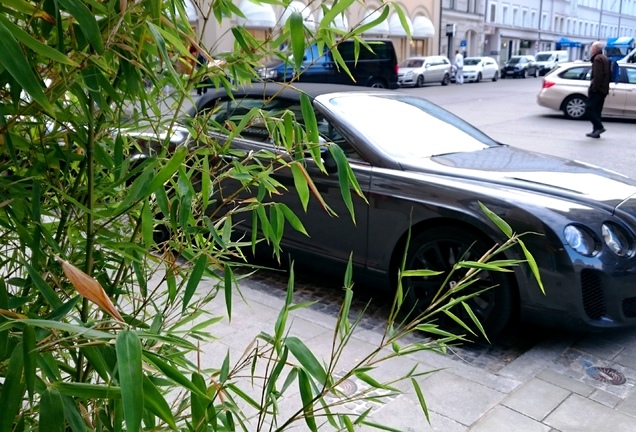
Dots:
{"x": 565, "y": 383}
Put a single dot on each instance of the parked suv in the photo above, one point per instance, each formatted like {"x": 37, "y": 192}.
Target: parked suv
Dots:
{"x": 520, "y": 66}
{"x": 417, "y": 71}
{"x": 373, "y": 68}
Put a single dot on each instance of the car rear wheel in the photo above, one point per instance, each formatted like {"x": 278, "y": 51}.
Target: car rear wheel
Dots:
{"x": 440, "y": 249}
{"x": 574, "y": 107}
{"x": 536, "y": 73}
{"x": 377, "y": 83}
{"x": 496, "y": 76}
{"x": 446, "y": 80}
{"x": 420, "y": 81}
{"x": 524, "y": 74}
{"x": 478, "y": 77}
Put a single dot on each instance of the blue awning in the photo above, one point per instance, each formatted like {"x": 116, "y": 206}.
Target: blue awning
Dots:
{"x": 565, "y": 42}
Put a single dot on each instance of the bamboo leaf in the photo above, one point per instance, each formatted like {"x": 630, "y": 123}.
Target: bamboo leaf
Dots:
{"x": 19, "y": 68}
{"x": 337, "y": 8}
{"x": 51, "y": 411}
{"x": 306, "y": 358}
{"x": 228, "y": 278}
{"x": 12, "y": 390}
{"x": 87, "y": 23}
{"x": 30, "y": 358}
{"x": 533, "y": 265}
{"x": 307, "y": 398}
{"x": 4, "y": 334}
{"x": 89, "y": 288}
{"x": 87, "y": 391}
{"x": 174, "y": 374}
{"x": 293, "y": 220}
{"x": 374, "y": 23}
{"x": 72, "y": 414}
{"x": 131, "y": 375}
{"x": 195, "y": 278}
{"x": 501, "y": 224}
{"x": 35, "y": 45}
{"x": 372, "y": 381}
{"x": 71, "y": 328}
{"x": 300, "y": 182}
{"x": 169, "y": 169}
{"x": 47, "y": 292}
{"x": 155, "y": 403}
{"x": 297, "y": 35}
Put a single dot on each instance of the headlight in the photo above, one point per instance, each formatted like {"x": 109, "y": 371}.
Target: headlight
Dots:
{"x": 580, "y": 239}
{"x": 409, "y": 74}
{"x": 617, "y": 239}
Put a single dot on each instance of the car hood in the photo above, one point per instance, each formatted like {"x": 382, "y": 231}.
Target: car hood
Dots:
{"x": 515, "y": 168}
{"x": 471, "y": 68}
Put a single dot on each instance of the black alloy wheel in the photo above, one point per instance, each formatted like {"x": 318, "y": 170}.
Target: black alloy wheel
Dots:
{"x": 377, "y": 83}
{"x": 420, "y": 81}
{"x": 446, "y": 80}
{"x": 440, "y": 249}
{"x": 478, "y": 77}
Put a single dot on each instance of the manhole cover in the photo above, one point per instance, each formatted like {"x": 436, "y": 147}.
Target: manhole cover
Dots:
{"x": 348, "y": 387}
{"x": 606, "y": 375}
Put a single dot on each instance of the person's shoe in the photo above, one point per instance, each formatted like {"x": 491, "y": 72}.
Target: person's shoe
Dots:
{"x": 594, "y": 134}
{"x": 601, "y": 130}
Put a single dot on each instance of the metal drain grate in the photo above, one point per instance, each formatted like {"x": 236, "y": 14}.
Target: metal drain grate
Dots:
{"x": 606, "y": 375}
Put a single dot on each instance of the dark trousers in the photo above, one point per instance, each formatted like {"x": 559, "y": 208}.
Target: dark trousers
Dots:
{"x": 594, "y": 108}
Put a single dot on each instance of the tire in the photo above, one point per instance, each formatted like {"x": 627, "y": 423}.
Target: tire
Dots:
{"x": 376, "y": 83}
{"x": 420, "y": 81}
{"x": 503, "y": 76}
{"x": 574, "y": 107}
{"x": 446, "y": 80}
{"x": 524, "y": 74}
{"x": 495, "y": 77}
{"x": 536, "y": 73}
{"x": 478, "y": 77}
{"x": 439, "y": 249}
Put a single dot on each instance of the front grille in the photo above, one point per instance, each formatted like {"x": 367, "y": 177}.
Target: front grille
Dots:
{"x": 592, "y": 291}
{"x": 629, "y": 307}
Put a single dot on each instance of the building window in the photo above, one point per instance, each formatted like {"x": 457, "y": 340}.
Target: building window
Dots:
{"x": 504, "y": 18}
{"x": 515, "y": 17}
{"x": 524, "y": 18}
{"x": 493, "y": 12}
{"x": 533, "y": 19}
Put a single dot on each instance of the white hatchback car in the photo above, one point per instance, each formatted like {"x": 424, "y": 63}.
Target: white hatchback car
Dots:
{"x": 565, "y": 89}
{"x": 417, "y": 71}
{"x": 478, "y": 68}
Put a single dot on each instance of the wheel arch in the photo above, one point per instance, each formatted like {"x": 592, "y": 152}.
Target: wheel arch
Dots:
{"x": 428, "y": 224}
{"x": 570, "y": 96}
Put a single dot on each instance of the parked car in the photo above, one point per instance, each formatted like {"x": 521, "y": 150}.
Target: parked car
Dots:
{"x": 565, "y": 89}
{"x": 548, "y": 60}
{"x": 478, "y": 68}
{"x": 520, "y": 66}
{"x": 375, "y": 65}
{"x": 417, "y": 71}
{"x": 430, "y": 190}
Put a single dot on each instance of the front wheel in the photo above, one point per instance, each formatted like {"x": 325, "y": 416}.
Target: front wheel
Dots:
{"x": 446, "y": 80}
{"x": 478, "y": 77}
{"x": 420, "y": 81}
{"x": 495, "y": 77}
{"x": 440, "y": 249}
{"x": 574, "y": 107}
{"x": 524, "y": 74}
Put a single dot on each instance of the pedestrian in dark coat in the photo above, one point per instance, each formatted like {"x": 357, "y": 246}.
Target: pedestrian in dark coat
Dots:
{"x": 598, "y": 90}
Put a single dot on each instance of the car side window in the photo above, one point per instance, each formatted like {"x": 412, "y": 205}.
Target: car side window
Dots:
{"x": 330, "y": 134}
{"x": 631, "y": 75}
{"x": 577, "y": 73}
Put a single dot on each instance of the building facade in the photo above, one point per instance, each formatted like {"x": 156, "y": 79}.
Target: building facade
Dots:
{"x": 498, "y": 28}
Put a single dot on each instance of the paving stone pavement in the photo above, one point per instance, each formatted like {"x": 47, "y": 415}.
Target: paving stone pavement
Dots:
{"x": 552, "y": 383}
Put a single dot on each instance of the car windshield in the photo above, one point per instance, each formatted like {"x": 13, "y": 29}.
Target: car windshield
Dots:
{"x": 405, "y": 126}
{"x": 514, "y": 60}
{"x": 543, "y": 57}
{"x": 414, "y": 63}
{"x": 471, "y": 62}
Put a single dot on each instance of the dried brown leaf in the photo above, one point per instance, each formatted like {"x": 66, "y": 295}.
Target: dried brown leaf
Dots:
{"x": 89, "y": 288}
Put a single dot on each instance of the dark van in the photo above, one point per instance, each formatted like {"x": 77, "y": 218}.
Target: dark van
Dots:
{"x": 377, "y": 68}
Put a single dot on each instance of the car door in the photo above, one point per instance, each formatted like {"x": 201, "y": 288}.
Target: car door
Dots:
{"x": 617, "y": 97}
{"x": 630, "y": 91}
{"x": 488, "y": 69}
{"x": 332, "y": 235}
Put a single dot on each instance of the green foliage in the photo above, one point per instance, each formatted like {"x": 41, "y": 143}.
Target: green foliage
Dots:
{"x": 100, "y": 318}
